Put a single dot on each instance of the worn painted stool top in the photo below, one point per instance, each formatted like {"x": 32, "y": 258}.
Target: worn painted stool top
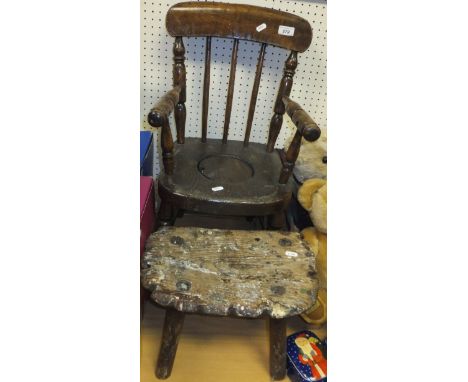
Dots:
{"x": 230, "y": 272}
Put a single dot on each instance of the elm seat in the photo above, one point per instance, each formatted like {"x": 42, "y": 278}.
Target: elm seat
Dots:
{"x": 229, "y": 273}
{"x": 237, "y": 180}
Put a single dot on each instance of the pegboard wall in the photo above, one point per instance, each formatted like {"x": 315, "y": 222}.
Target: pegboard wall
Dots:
{"x": 310, "y": 80}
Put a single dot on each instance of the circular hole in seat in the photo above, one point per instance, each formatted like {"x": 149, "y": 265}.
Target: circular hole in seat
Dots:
{"x": 225, "y": 168}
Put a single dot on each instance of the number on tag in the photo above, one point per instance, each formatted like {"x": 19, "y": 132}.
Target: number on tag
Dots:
{"x": 286, "y": 31}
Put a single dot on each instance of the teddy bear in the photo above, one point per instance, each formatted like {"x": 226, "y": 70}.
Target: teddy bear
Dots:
{"x": 312, "y": 195}
{"x": 312, "y": 160}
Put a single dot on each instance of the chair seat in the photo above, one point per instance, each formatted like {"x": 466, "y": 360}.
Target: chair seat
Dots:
{"x": 227, "y": 272}
{"x": 228, "y": 178}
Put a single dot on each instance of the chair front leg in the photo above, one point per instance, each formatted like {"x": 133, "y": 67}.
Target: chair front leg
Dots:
{"x": 166, "y": 214}
{"x": 276, "y": 221}
{"x": 277, "y": 348}
{"x": 173, "y": 324}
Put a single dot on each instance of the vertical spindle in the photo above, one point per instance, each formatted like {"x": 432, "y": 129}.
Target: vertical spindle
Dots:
{"x": 253, "y": 98}
{"x": 290, "y": 158}
{"x": 167, "y": 144}
{"x": 179, "y": 74}
{"x": 206, "y": 89}
{"x": 232, "y": 78}
{"x": 284, "y": 90}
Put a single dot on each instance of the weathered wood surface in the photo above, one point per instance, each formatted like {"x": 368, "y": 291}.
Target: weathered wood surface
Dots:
{"x": 223, "y": 272}
{"x": 241, "y": 21}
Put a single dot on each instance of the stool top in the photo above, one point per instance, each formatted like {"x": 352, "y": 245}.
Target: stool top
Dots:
{"x": 230, "y": 272}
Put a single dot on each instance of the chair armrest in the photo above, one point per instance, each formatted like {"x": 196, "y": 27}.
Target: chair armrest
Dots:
{"x": 164, "y": 107}
{"x": 159, "y": 117}
{"x": 305, "y": 125}
{"x": 306, "y": 128}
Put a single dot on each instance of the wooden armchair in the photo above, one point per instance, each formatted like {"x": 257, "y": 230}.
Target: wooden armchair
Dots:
{"x": 223, "y": 176}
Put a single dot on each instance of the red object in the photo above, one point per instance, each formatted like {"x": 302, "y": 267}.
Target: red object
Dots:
{"x": 147, "y": 208}
{"x": 147, "y": 219}
{"x": 315, "y": 362}
{"x": 306, "y": 363}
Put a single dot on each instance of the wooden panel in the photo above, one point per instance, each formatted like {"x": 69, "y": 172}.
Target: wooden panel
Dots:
{"x": 245, "y": 22}
{"x": 227, "y": 272}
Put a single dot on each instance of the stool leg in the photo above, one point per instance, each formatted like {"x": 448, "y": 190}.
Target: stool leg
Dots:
{"x": 277, "y": 349}
{"x": 173, "y": 324}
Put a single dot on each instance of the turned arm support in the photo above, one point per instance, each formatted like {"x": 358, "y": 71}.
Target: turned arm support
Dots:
{"x": 305, "y": 125}
{"x": 159, "y": 117}
{"x": 306, "y": 128}
{"x": 164, "y": 107}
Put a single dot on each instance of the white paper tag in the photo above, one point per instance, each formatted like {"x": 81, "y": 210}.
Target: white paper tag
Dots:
{"x": 219, "y": 188}
{"x": 286, "y": 31}
{"x": 291, "y": 254}
{"x": 261, "y": 27}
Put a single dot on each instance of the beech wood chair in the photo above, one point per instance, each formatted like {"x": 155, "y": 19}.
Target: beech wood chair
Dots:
{"x": 222, "y": 176}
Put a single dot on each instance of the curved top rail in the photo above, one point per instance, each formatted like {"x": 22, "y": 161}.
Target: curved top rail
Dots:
{"x": 245, "y": 22}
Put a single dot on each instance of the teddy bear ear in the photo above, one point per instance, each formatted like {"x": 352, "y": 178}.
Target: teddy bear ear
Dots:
{"x": 304, "y": 195}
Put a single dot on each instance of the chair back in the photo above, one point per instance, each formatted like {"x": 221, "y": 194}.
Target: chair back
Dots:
{"x": 238, "y": 22}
